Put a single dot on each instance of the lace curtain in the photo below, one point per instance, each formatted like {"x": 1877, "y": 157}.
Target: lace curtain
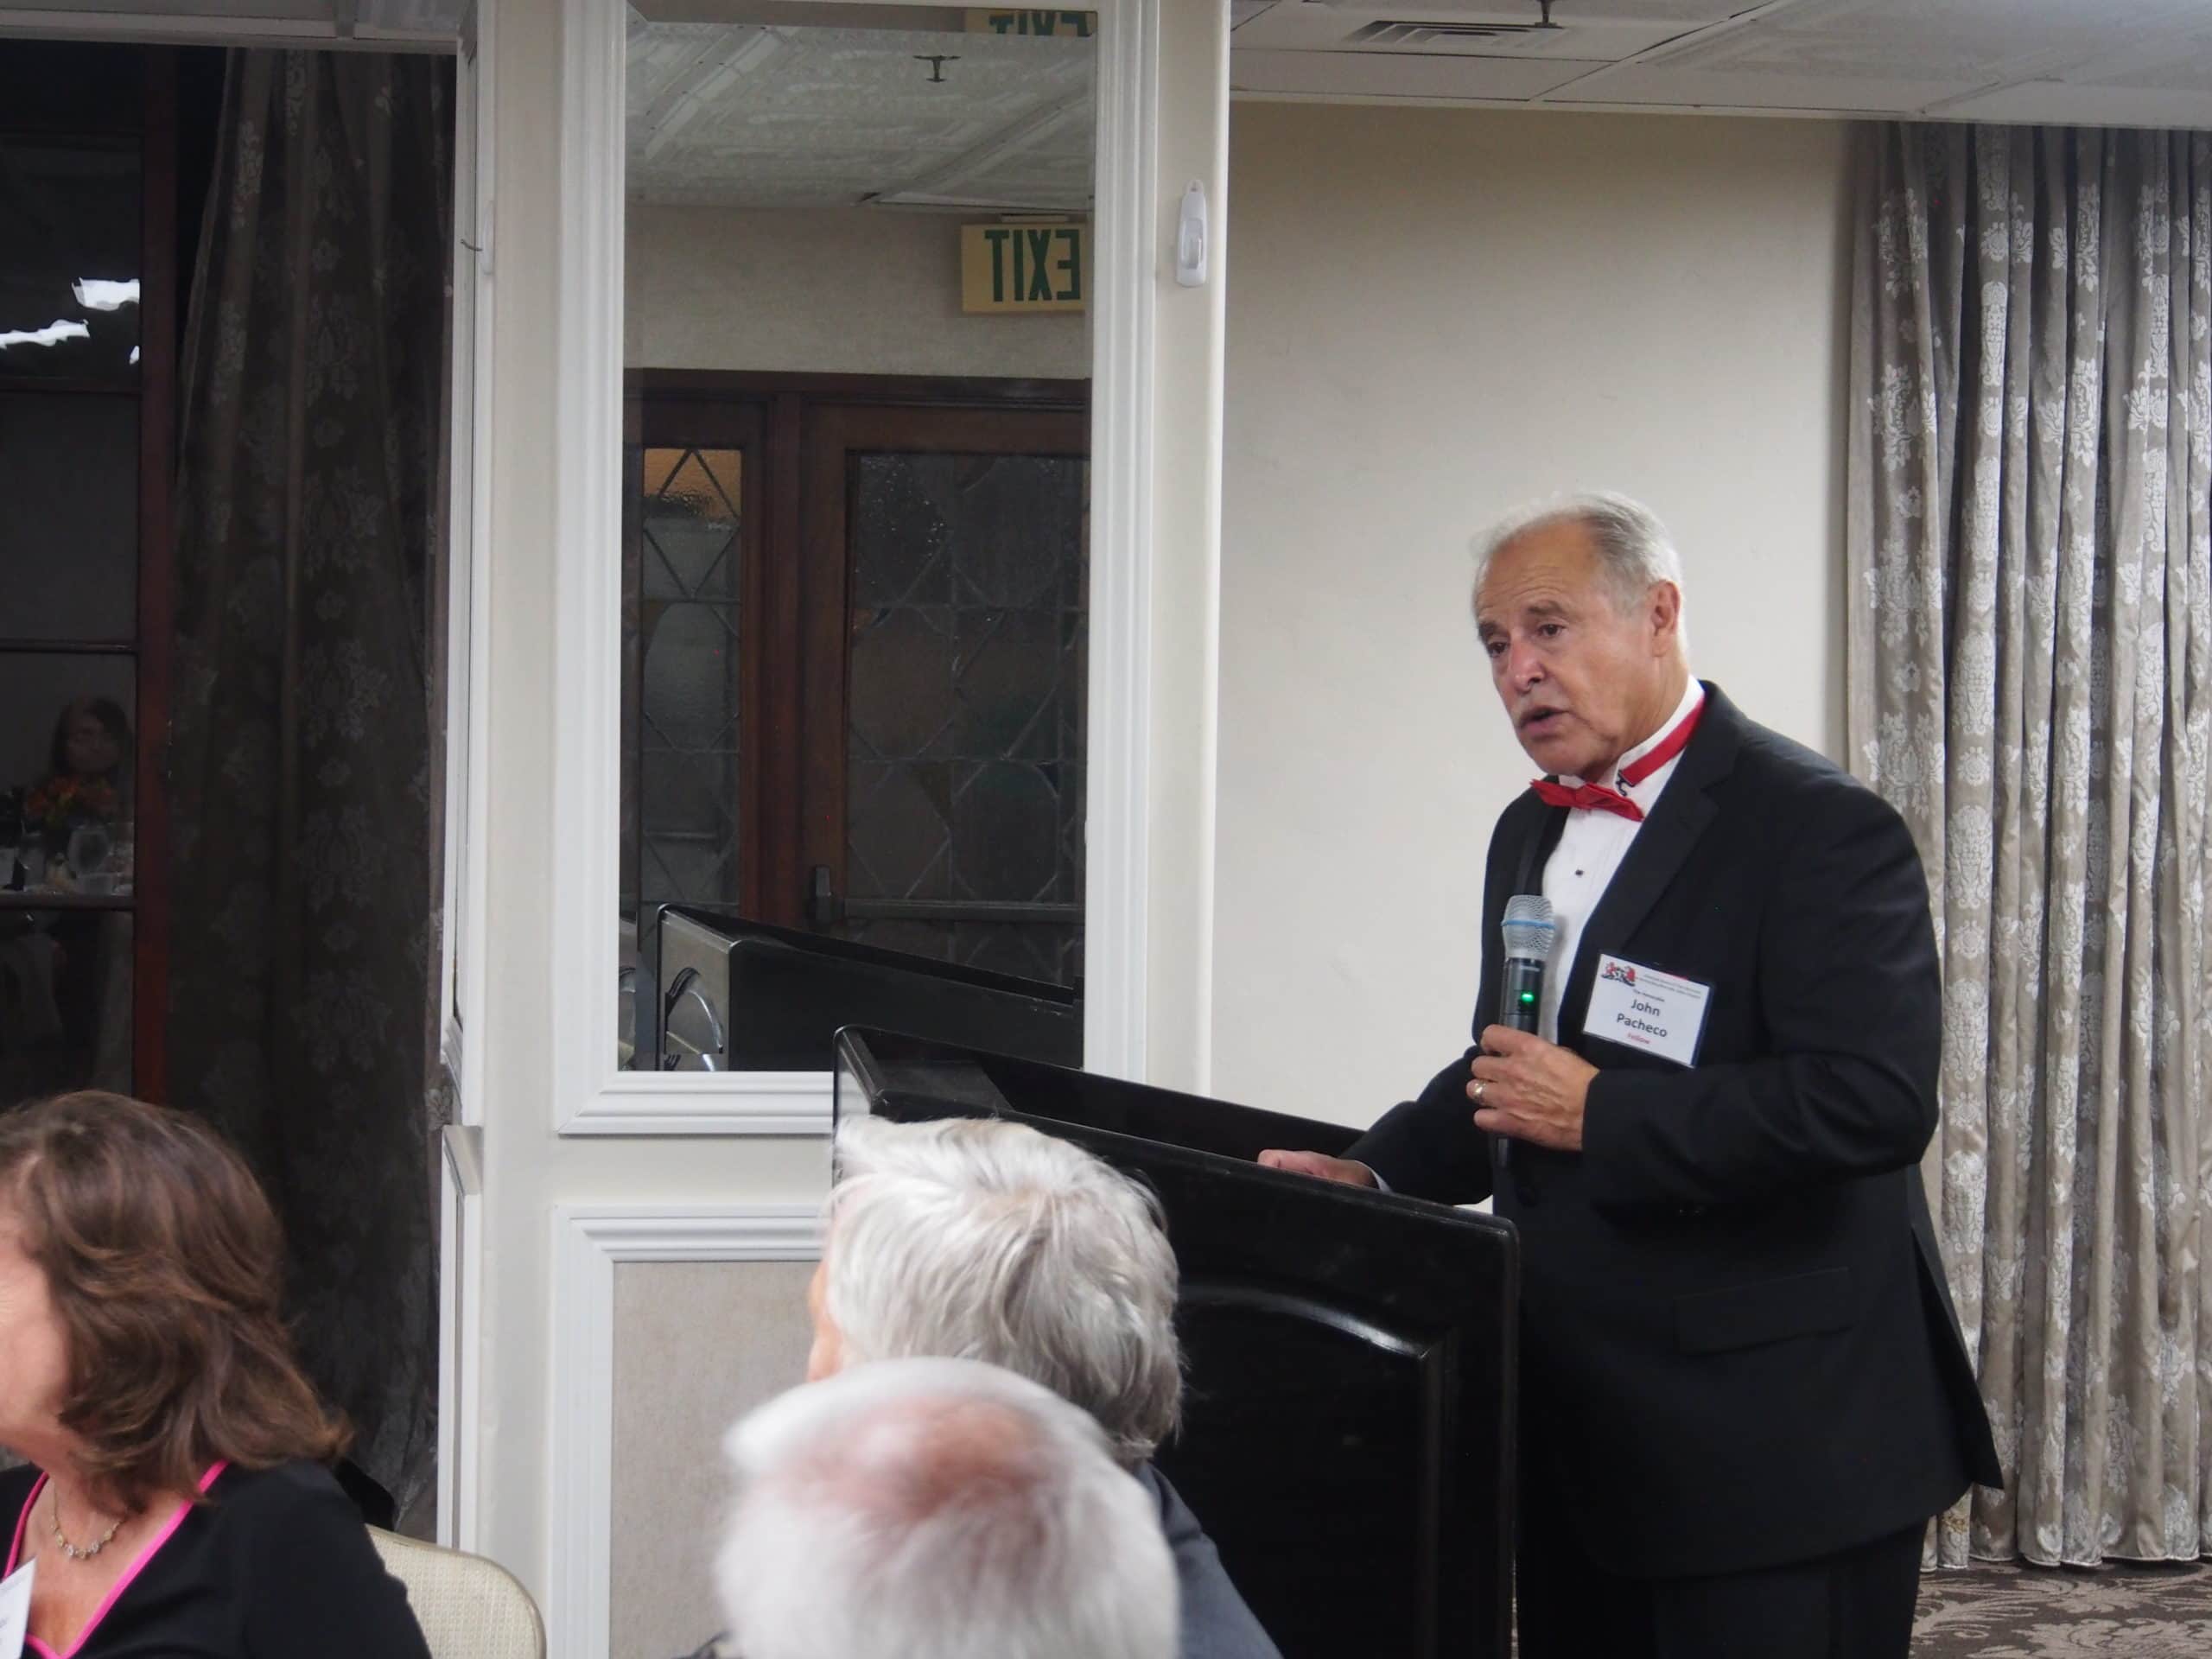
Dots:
{"x": 2029, "y": 649}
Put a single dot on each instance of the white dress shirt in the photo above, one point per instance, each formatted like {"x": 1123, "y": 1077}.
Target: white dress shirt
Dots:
{"x": 1589, "y": 851}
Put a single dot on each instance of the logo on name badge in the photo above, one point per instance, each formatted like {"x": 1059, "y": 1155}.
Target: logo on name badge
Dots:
{"x": 1617, "y": 970}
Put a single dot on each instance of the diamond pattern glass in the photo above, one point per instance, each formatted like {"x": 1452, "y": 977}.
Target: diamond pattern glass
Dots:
{"x": 964, "y": 780}
{"x": 680, "y": 765}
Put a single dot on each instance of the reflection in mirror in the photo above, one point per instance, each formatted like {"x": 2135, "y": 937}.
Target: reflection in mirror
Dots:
{"x": 66, "y": 771}
{"x": 67, "y": 869}
{"x": 65, "y": 1000}
{"x": 69, "y": 285}
{"x": 856, "y": 563}
{"x": 73, "y": 225}
{"x": 68, "y": 516}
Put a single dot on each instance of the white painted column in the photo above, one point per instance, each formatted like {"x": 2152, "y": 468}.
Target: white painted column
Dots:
{"x": 1190, "y": 328}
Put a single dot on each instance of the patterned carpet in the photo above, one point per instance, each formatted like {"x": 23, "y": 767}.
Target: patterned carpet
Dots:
{"x": 2013, "y": 1613}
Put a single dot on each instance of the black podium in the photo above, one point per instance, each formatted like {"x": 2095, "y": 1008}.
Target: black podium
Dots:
{"x": 1347, "y": 1436}
{"x": 736, "y": 995}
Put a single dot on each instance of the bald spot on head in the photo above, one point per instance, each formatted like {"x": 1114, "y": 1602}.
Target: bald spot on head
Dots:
{"x": 904, "y": 1464}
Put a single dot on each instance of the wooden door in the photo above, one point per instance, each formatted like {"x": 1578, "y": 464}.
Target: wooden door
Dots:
{"x": 944, "y": 578}
{"x": 854, "y": 665}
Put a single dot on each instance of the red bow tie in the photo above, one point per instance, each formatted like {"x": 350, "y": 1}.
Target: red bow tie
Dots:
{"x": 1596, "y": 797}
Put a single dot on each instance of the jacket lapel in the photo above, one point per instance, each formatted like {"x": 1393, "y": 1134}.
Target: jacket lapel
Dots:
{"x": 1657, "y": 853}
{"x": 1537, "y": 847}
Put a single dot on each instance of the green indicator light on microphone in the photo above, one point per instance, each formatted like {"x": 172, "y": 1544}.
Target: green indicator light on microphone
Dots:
{"x": 1527, "y": 997}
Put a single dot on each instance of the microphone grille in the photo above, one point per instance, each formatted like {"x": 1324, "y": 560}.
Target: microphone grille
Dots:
{"x": 1529, "y": 929}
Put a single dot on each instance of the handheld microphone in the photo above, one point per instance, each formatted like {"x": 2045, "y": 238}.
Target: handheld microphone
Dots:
{"x": 1529, "y": 930}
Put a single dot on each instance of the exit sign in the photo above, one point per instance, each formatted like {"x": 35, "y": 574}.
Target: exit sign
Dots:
{"x": 1031, "y": 20}
{"x": 1032, "y": 268}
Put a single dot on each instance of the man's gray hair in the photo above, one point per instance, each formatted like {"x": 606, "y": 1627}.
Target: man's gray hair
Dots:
{"x": 938, "y": 1508}
{"x": 976, "y": 1239}
{"x": 1632, "y": 545}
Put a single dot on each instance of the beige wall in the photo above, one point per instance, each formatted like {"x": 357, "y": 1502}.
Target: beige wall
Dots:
{"x": 696, "y": 1345}
{"x": 1434, "y": 315}
{"x": 823, "y": 290}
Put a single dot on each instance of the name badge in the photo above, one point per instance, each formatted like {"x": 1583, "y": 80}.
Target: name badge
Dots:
{"x": 15, "y": 1610}
{"x": 1641, "y": 1007}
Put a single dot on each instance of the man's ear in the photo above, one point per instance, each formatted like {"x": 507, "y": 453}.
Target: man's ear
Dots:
{"x": 1664, "y": 613}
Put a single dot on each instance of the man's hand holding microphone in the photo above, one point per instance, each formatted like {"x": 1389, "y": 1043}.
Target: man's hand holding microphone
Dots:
{"x": 1523, "y": 1088}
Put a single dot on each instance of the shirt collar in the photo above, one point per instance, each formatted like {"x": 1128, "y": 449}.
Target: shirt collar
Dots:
{"x": 1693, "y": 698}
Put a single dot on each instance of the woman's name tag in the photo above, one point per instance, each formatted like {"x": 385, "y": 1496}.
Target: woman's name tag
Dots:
{"x": 15, "y": 1610}
{"x": 1641, "y": 1007}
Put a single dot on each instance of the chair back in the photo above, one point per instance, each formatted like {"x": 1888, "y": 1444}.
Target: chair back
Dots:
{"x": 469, "y": 1608}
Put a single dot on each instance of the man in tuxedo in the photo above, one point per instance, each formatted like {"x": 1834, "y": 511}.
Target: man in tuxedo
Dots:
{"x": 1743, "y": 1389}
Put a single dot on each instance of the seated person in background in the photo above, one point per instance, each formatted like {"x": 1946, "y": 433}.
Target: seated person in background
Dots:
{"x": 938, "y": 1508}
{"x": 178, "y": 1503}
{"x": 64, "y": 975}
{"x": 976, "y": 1239}
{"x": 88, "y": 775}
{"x": 91, "y": 746}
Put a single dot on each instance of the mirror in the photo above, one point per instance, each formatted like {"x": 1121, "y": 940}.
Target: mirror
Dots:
{"x": 856, "y": 570}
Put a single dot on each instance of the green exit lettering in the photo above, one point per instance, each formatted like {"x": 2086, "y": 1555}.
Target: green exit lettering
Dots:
{"x": 1031, "y": 22}
{"x": 1071, "y": 264}
{"x": 1035, "y": 266}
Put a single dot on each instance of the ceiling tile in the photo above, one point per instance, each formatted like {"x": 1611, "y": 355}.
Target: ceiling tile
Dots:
{"x": 1581, "y": 32}
{"x": 2131, "y": 62}
{"x": 763, "y": 116}
{"x": 1564, "y": 11}
{"x": 2062, "y": 104}
{"x": 2180, "y": 62}
{"x": 1348, "y": 75}
{"x": 1970, "y": 41}
{"x": 1642, "y": 83}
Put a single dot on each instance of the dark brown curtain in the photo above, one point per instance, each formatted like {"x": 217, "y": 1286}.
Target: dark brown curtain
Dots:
{"x": 310, "y": 541}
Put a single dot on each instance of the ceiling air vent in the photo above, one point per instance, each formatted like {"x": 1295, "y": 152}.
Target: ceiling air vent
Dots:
{"x": 1441, "y": 37}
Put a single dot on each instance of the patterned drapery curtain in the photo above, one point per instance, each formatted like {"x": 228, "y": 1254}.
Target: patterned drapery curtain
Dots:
{"x": 2030, "y": 649}
{"x": 310, "y": 535}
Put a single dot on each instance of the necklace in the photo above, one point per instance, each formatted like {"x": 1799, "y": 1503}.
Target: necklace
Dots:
{"x": 87, "y": 1552}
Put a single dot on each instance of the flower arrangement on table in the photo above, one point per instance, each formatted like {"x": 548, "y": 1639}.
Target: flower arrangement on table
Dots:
{"x": 74, "y": 820}
{"x": 59, "y": 804}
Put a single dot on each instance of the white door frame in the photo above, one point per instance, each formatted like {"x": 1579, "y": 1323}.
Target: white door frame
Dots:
{"x": 463, "y": 947}
{"x": 591, "y": 1095}
{"x": 459, "y": 968}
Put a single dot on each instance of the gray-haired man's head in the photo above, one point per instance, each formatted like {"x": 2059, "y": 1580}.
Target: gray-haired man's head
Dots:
{"x": 1579, "y": 606}
{"x": 983, "y": 1240}
{"x": 938, "y": 1508}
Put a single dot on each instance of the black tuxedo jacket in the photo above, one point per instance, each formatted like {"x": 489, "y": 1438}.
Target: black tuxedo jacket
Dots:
{"x": 1738, "y": 1347}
